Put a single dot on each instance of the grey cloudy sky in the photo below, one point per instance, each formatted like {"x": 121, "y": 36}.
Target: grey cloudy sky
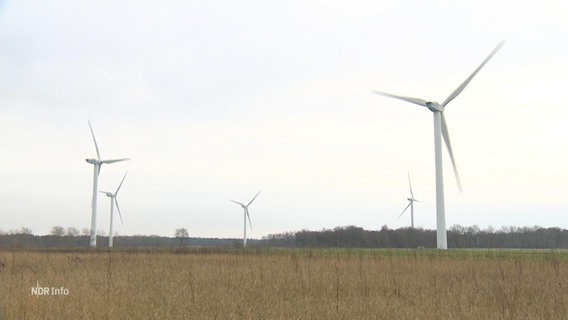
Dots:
{"x": 214, "y": 100}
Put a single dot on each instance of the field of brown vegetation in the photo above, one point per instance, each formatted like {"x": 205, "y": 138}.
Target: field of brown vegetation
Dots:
{"x": 284, "y": 284}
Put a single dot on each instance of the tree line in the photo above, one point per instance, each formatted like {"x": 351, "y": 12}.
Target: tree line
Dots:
{"x": 71, "y": 237}
{"x": 458, "y": 237}
{"x": 341, "y": 237}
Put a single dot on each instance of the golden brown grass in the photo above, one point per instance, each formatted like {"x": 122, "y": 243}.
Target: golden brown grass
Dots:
{"x": 283, "y": 284}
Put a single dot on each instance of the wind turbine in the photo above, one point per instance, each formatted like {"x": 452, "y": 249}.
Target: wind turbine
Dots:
{"x": 113, "y": 201}
{"x": 97, "y": 163}
{"x": 411, "y": 201}
{"x": 441, "y": 130}
{"x": 246, "y": 215}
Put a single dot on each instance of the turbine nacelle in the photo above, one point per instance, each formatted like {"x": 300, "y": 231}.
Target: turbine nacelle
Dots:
{"x": 108, "y": 194}
{"x": 434, "y": 106}
{"x": 93, "y": 161}
{"x": 413, "y": 200}
{"x": 240, "y": 204}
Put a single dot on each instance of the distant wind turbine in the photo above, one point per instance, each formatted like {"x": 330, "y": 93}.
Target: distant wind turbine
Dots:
{"x": 246, "y": 215}
{"x": 113, "y": 201}
{"x": 411, "y": 201}
{"x": 97, "y": 163}
{"x": 441, "y": 130}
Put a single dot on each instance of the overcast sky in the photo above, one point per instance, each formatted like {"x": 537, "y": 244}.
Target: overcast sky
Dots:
{"x": 215, "y": 100}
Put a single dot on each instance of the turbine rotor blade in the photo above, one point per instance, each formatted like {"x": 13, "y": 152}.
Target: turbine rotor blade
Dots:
{"x": 403, "y": 211}
{"x": 114, "y": 160}
{"x": 446, "y": 136}
{"x": 466, "y": 82}
{"x": 95, "y": 140}
{"x": 410, "y": 185}
{"x": 248, "y": 216}
{"x": 418, "y": 101}
{"x": 242, "y": 205}
{"x": 118, "y": 209}
{"x": 120, "y": 185}
{"x": 253, "y": 198}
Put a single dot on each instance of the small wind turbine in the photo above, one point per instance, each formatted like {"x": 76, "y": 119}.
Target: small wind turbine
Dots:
{"x": 97, "y": 163}
{"x": 441, "y": 130}
{"x": 246, "y": 215}
{"x": 411, "y": 201}
{"x": 113, "y": 201}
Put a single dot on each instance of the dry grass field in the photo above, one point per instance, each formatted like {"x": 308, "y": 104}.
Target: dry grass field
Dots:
{"x": 284, "y": 284}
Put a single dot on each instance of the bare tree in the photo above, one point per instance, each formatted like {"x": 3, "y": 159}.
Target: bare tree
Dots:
{"x": 57, "y": 231}
{"x": 72, "y": 232}
{"x": 181, "y": 234}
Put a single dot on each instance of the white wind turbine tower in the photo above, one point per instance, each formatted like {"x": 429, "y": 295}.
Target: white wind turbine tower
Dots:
{"x": 441, "y": 130}
{"x": 113, "y": 201}
{"x": 411, "y": 201}
{"x": 246, "y": 215}
{"x": 97, "y": 163}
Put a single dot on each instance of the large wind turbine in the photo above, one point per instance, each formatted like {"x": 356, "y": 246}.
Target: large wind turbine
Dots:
{"x": 113, "y": 201}
{"x": 441, "y": 130}
{"x": 97, "y": 163}
{"x": 246, "y": 215}
{"x": 411, "y": 201}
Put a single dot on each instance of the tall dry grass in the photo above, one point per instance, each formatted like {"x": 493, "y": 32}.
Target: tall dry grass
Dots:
{"x": 282, "y": 285}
